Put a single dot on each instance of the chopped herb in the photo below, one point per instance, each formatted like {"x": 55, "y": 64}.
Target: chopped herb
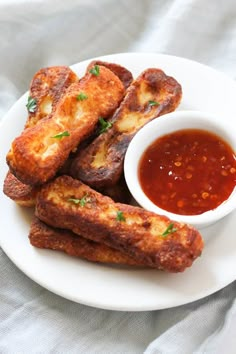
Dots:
{"x": 31, "y": 104}
{"x": 94, "y": 70}
{"x": 104, "y": 125}
{"x": 153, "y": 103}
{"x": 81, "y": 201}
{"x": 74, "y": 200}
{"x": 82, "y": 96}
{"x": 120, "y": 216}
{"x": 169, "y": 230}
{"x": 60, "y": 135}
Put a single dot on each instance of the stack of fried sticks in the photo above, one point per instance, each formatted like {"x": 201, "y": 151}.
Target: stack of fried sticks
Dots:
{"x": 68, "y": 164}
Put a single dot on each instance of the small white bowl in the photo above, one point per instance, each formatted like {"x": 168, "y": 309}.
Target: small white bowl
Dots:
{"x": 166, "y": 124}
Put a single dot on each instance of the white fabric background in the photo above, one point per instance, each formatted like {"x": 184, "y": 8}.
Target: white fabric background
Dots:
{"x": 34, "y": 34}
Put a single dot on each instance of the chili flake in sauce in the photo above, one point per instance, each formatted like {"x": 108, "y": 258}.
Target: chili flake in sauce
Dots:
{"x": 188, "y": 172}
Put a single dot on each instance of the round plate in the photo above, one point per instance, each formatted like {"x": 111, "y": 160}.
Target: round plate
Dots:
{"x": 118, "y": 288}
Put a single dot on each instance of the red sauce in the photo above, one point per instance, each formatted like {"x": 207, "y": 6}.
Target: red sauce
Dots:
{"x": 188, "y": 172}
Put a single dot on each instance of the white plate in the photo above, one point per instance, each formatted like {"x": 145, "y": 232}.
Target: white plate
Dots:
{"x": 112, "y": 287}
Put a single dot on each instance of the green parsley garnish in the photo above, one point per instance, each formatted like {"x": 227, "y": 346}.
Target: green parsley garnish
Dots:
{"x": 31, "y": 104}
{"x": 94, "y": 70}
{"x": 169, "y": 230}
{"x": 60, "y": 135}
{"x": 82, "y": 96}
{"x": 81, "y": 201}
{"x": 104, "y": 125}
{"x": 120, "y": 216}
{"x": 153, "y": 103}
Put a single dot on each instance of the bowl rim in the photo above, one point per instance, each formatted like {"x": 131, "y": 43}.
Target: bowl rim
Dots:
{"x": 144, "y": 138}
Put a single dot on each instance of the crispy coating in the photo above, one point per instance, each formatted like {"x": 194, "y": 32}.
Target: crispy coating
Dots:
{"x": 37, "y": 154}
{"x": 21, "y": 193}
{"x": 25, "y": 195}
{"x": 44, "y": 236}
{"x": 119, "y": 192}
{"x": 152, "y": 94}
{"x": 69, "y": 204}
{"x": 123, "y": 74}
{"x": 46, "y": 88}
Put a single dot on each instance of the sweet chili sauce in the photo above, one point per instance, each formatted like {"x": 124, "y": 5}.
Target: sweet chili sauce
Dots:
{"x": 188, "y": 172}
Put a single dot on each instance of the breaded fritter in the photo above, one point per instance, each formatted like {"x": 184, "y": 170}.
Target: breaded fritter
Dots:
{"x": 37, "y": 154}
{"x": 44, "y": 236}
{"x": 152, "y": 94}
{"x": 119, "y": 192}
{"x": 151, "y": 239}
{"x": 21, "y": 193}
{"x": 46, "y": 88}
{"x": 126, "y": 78}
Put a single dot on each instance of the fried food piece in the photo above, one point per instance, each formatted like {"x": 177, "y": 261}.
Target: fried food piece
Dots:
{"x": 46, "y": 88}
{"x": 37, "y": 154}
{"x": 44, "y": 236}
{"x": 149, "y": 238}
{"x": 119, "y": 192}
{"x": 123, "y": 74}
{"x": 25, "y": 195}
{"x": 21, "y": 193}
{"x": 152, "y": 94}
{"x": 125, "y": 77}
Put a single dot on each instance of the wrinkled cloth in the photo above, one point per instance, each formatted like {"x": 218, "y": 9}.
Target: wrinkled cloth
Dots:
{"x": 40, "y": 33}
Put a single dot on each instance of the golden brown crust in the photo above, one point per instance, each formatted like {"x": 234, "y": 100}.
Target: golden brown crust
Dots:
{"x": 100, "y": 219}
{"x": 123, "y": 74}
{"x": 44, "y": 236}
{"x": 101, "y": 163}
{"x": 47, "y": 87}
{"x": 36, "y": 156}
{"x": 119, "y": 192}
{"x": 21, "y": 193}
